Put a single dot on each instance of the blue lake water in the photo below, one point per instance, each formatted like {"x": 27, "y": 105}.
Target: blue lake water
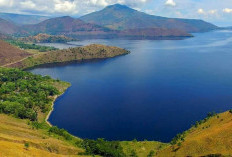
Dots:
{"x": 155, "y": 92}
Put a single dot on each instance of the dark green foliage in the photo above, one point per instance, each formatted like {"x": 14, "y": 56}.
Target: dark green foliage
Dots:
{"x": 151, "y": 154}
{"x": 209, "y": 115}
{"x": 22, "y": 94}
{"x": 60, "y": 132}
{"x": 177, "y": 138}
{"x": 133, "y": 153}
{"x": 103, "y": 148}
{"x": 23, "y": 45}
{"x": 214, "y": 155}
{"x": 26, "y": 145}
{"x": 230, "y": 111}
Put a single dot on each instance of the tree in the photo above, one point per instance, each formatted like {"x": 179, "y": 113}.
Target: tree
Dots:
{"x": 26, "y": 145}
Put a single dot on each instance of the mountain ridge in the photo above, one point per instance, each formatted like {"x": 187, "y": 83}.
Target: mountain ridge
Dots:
{"x": 121, "y": 17}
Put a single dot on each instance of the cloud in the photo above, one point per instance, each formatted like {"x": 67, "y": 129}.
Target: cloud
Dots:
{"x": 170, "y": 3}
{"x": 63, "y": 7}
{"x": 227, "y": 10}
{"x": 212, "y": 11}
{"x": 28, "y": 4}
{"x": 200, "y": 11}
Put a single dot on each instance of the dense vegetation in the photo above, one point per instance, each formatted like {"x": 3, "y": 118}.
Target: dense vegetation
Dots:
{"x": 24, "y": 45}
{"x": 93, "y": 51}
{"x": 103, "y": 148}
{"x": 23, "y": 94}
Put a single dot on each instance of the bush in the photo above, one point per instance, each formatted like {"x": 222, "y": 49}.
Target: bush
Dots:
{"x": 60, "y": 132}
{"x": 151, "y": 154}
{"x": 103, "y": 148}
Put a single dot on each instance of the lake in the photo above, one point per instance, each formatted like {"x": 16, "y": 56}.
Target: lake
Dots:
{"x": 158, "y": 90}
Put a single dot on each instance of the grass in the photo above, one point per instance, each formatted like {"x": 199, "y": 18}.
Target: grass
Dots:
{"x": 142, "y": 148}
{"x": 15, "y": 133}
{"x": 211, "y": 137}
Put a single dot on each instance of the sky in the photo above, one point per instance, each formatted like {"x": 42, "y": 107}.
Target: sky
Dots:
{"x": 218, "y": 12}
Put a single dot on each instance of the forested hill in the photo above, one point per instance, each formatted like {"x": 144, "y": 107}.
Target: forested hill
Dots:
{"x": 93, "y": 51}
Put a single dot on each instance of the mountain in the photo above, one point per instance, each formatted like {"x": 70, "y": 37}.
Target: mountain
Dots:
{"x": 7, "y": 27}
{"x": 66, "y": 26}
{"x": 23, "y": 19}
{"x": 121, "y": 17}
{"x": 77, "y": 28}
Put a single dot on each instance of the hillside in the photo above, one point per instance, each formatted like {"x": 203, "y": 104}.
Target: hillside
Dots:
{"x": 210, "y": 137}
{"x": 9, "y": 53}
{"x": 77, "y": 28}
{"x": 65, "y": 26}
{"x": 14, "y": 133}
{"x": 121, "y": 17}
{"x": 46, "y": 38}
{"x": 153, "y": 33}
{"x": 20, "y": 19}
{"x": 72, "y": 54}
{"x": 7, "y": 27}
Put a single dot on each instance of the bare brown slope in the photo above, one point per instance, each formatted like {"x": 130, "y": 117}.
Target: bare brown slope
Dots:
{"x": 7, "y": 27}
{"x": 9, "y": 53}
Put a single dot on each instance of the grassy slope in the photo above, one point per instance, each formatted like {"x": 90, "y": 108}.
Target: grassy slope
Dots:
{"x": 14, "y": 133}
{"x": 73, "y": 54}
{"x": 142, "y": 148}
{"x": 211, "y": 137}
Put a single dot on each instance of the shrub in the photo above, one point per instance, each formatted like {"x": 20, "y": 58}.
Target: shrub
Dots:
{"x": 103, "y": 148}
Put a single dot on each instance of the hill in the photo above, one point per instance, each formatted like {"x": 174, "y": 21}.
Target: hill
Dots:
{"x": 72, "y": 54}
{"x": 7, "y": 27}
{"x": 20, "y": 19}
{"x": 66, "y": 26}
{"x": 206, "y": 137}
{"x": 46, "y": 38}
{"x": 121, "y": 17}
{"x": 9, "y": 53}
{"x": 15, "y": 133}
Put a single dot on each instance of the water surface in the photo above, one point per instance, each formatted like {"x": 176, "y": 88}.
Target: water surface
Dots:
{"x": 155, "y": 92}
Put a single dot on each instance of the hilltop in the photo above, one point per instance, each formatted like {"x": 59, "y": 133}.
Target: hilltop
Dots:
{"x": 121, "y": 17}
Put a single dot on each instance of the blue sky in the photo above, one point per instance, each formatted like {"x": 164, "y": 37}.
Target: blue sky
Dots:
{"x": 216, "y": 11}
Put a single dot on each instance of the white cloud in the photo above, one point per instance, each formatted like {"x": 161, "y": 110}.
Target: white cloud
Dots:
{"x": 200, "y": 11}
{"x": 170, "y": 3}
{"x": 6, "y": 3}
{"x": 28, "y": 4}
{"x": 227, "y": 10}
{"x": 64, "y": 6}
{"x": 212, "y": 11}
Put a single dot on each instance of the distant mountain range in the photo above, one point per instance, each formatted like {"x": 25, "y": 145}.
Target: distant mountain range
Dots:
{"x": 113, "y": 21}
{"x": 19, "y": 19}
{"x": 121, "y": 17}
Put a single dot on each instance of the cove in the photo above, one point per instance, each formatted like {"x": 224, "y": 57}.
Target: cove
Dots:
{"x": 158, "y": 90}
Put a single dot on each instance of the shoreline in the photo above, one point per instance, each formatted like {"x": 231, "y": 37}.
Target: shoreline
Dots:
{"x": 52, "y": 107}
